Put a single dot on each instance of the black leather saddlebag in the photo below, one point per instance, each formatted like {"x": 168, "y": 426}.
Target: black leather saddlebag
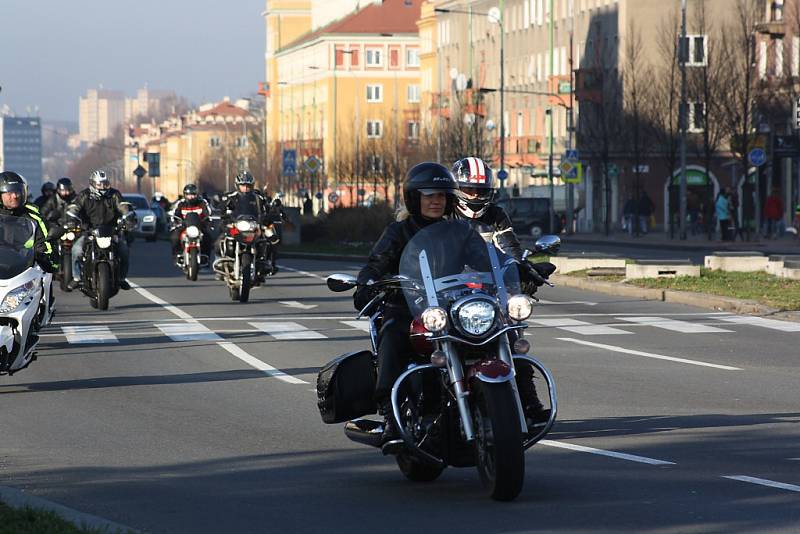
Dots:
{"x": 345, "y": 387}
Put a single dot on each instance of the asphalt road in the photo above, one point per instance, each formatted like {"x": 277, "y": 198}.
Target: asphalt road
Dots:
{"x": 191, "y": 413}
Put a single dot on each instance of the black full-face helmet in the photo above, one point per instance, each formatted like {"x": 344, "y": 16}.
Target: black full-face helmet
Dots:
{"x": 426, "y": 178}
{"x": 99, "y": 184}
{"x": 64, "y": 187}
{"x": 11, "y": 182}
{"x": 245, "y": 178}
{"x": 473, "y": 175}
{"x": 190, "y": 189}
{"x": 48, "y": 188}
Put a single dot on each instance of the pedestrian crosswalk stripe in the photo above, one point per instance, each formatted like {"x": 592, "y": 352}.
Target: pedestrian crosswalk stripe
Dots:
{"x": 579, "y": 327}
{"x": 287, "y": 330}
{"x": 684, "y": 327}
{"x": 360, "y": 325}
{"x": 187, "y": 332}
{"x": 772, "y": 324}
{"x": 89, "y": 334}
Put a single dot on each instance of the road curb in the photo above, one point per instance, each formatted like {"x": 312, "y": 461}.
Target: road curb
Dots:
{"x": 701, "y": 300}
{"x": 18, "y": 499}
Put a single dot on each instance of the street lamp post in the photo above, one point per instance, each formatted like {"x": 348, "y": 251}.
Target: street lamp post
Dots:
{"x": 335, "y": 118}
{"x": 683, "y": 120}
{"x": 495, "y": 16}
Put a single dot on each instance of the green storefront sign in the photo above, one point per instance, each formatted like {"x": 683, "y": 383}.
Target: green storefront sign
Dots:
{"x": 693, "y": 178}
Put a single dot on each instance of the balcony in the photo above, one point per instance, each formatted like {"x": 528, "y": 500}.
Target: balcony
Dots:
{"x": 775, "y": 28}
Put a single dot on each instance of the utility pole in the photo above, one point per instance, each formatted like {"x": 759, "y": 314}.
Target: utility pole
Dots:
{"x": 683, "y": 56}
{"x": 502, "y": 93}
{"x": 570, "y": 126}
{"x": 550, "y": 113}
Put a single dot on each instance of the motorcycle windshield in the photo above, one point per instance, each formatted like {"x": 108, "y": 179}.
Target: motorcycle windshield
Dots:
{"x": 247, "y": 205}
{"x": 16, "y": 245}
{"x": 449, "y": 260}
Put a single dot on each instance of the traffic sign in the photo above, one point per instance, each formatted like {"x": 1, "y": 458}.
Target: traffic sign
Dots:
{"x": 319, "y": 195}
{"x": 313, "y": 163}
{"x": 139, "y": 172}
{"x": 566, "y": 168}
{"x": 564, "y": 88}
{"x": 289, "y": 162}
{"x": 333, "y": 198}
{"x": 786, "y": 146}
{"x": 575, "y": 174}
{"x": 571, "y": 155}
{"x": 757, "y": 157}
{"x": 502, "y": 174}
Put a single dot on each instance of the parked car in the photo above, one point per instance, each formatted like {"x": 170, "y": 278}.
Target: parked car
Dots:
{"x": 529, "y": 216}
{"x": 146, "y": 227}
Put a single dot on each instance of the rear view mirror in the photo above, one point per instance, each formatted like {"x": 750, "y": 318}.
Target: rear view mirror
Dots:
{"x": 548, "y": 244}
{"x": 341, "y": 282}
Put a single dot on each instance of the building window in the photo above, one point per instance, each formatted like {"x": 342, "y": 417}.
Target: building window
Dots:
{"x": 241, "y": 141}
{"x": 394, "y": 58}
{"x": 339, "y": 58}
{"x": 374, "y": 58}
{"x": 412, "y": 57}
{"x": 374, "y": 129}
{"x": 375, "y": 163}
{"x": 375, "y": 93}
{"x": 776, "y": 11}
{"x": 214, "y": 142}
{"x": 413, "y": 94}
{"x": 520, "y": 131}
{"x": 354, "y": 57}
{"x": 779, "y": 57}
{"x": 693, "y": 50}
{"x": 795, "y": 56}
{"x": 412, "y": 130}
{"x": 696, "y": 117}
{"x": 762, "y": 59}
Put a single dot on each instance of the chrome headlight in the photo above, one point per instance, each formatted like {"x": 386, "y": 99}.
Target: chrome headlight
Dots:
{"x": 69, "y": 236}
{"x": 434, "y": 319}
{"x": 103, "y": 242}
{"x": 192, "y": 232}
{"x": 17, "y": 296}
{"x": 269, "y": 232}
{"x": 476, "y": 317}
{"x": 520, "y": 307}
{"x": 149, "y": 218}
{"x": 245, "y": 226}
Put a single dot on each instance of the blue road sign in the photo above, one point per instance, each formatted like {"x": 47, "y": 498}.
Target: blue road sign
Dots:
{"x": 319, "y": 196}
{"x": 502, "y": 174}
{"x": 571, "y": 155}
{"x": 289, "y": 162}
{"x": 757, "y": 157}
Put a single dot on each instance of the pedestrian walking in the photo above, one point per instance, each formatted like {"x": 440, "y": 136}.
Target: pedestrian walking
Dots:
{"x": 734, "y": 209}
{"x": 748, "y": 211}
{"x": 308, "y": 206}
{"x": 628, "y": 215}
{"x": 646, "y": 209}
{"x": 723, "y": 212}
{"x": 773, "y": 211}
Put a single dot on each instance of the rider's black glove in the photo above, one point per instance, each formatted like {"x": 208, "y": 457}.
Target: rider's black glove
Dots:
{"x": 363, "y": 295}
{"x": 533, "y": 275}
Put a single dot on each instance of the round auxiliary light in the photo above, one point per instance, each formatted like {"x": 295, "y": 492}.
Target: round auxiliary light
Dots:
{"x": 193, "y": 232}
{"x": 70, "y": 236}
{"x": 520, "y": 307}
{"x": 434, "y": 319}
{"x": 245, "y": 226}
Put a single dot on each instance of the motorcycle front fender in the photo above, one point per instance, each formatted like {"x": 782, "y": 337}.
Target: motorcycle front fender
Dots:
{"x": 6, "y": 338}
{"x": 492, "y": 371}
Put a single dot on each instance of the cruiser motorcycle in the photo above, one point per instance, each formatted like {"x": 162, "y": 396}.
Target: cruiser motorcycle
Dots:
{"x": 23, "y": 290}
{"x": 457, "y": 404}
{"x": 191, "y": 258}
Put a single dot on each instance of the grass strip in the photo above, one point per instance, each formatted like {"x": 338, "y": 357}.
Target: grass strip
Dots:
{"x": 34, "y": 521}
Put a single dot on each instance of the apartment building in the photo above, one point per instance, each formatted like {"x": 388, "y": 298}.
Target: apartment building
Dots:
{"x": 100, "y": 111}
{"x": 21, "y": 149}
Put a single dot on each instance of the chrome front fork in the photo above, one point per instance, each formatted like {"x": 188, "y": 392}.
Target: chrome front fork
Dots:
{"x": 505, "y": 353}
{"x": 456, "y": 372}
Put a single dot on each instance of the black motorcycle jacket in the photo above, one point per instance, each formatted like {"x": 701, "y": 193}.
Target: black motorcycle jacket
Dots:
{"x": 183, "y": 207}
{"x": 384, "y": 259}
{"x": 504, "y": 237}
{"x": 98, "y": 211}
{"x": 43, "y": 251}
{"x": 53, "y": 210}
{"x": 251, "y": 203}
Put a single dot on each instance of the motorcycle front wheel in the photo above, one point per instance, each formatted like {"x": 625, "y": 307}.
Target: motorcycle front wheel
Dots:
{"x": 191, "y": 268}
{"x": 500, "y": 457}
{"x": 247, "y": 279}
{"x": 66, "y": 274}
{"x": 103, "y": 285}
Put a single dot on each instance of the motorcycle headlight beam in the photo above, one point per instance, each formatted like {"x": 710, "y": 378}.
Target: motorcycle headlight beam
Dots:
{"x": 149, "y": 218}
{"x": 476, "y": 317}
{"x": 192, "y": 232}
{"x": 17, "y": 296}
{"x": 434, "y": 319}
{"x": 103, "y": 242}
{"x": 245, "y": 226}
{"x": 520, "y": 307}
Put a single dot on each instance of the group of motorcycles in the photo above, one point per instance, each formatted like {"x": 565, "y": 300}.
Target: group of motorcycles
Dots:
{"x": 457, "y": 404}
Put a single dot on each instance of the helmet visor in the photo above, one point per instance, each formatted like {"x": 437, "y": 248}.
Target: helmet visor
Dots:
{"x": 428, "y": 192}
{"x": 12, "y": 187}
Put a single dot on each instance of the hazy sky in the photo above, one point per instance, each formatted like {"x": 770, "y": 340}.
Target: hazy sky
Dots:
{"x": 51, "y": 51}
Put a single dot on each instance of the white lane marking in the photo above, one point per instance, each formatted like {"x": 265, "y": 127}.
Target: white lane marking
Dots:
{"x": 552, "y": 302}
{"x": 187, "y": 332}
{"x": 647, "y": 354}
{"x": 258, "y": 364}
{"x": 763, "y": 482}
{"x": 360, "y": 325}
{"x": 89, "y": 334}
{"x": 306, "y": 273}
{"x": 288, "y": 331}
{"x": 295, "y": 304}
{"x": 684, "y": 327}
{"x": 579, "y": 327}
{"x": 226, "y": 345}
{"x": 601, "y": 452}
{"x": 164, "y": 304}
{"x": 773, "y": 324}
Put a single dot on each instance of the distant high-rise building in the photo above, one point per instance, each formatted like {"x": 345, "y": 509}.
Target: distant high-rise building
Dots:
{"x": 21, "y": 148}
{"x": 101, "y": 111}
{"x": 149, "y": 103}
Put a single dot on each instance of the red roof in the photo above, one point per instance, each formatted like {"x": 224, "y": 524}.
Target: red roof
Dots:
{"x": 225, "y": 109}
{"x": 389, "y": 16}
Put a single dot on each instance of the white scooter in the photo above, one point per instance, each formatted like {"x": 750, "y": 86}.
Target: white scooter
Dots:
{"x": 22, "y": 286}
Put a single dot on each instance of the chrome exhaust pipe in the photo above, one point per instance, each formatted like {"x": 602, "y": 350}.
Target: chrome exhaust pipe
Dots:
{"x": 365, "y": 431}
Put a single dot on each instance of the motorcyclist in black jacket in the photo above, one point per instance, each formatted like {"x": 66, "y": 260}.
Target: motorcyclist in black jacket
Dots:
{"x": 48, "y": 192}
{"x": 277, "y": 216}
{"x": 245, "y": 200}
{"x": 14, "y": 191}
{"x": 191, "y": 202}
{"x": 475, "y": 203}
{"x": 99, "y": 205}
{"x": 429, "y": 194}
{"x": 54, "y": 208}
